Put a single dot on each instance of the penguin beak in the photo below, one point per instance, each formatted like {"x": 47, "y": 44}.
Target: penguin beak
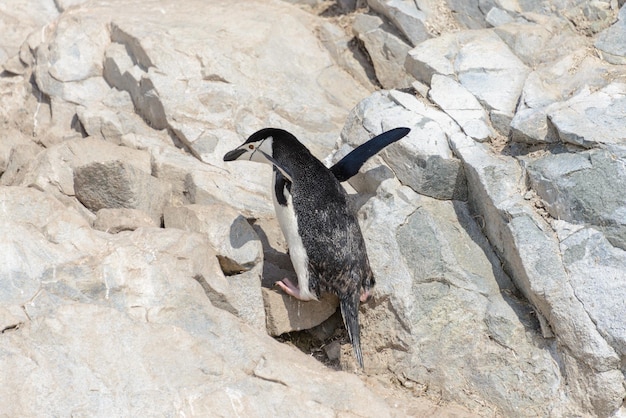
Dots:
{"x": 234, "y": 154}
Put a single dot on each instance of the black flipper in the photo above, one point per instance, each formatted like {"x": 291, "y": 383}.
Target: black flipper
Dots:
{"x": 281, "y": 169}
{"x": 350, "y": 312}
{"x": 349, "y": 165}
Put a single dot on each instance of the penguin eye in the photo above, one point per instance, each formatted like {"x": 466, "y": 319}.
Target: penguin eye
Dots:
{"x": 251, "y": 146}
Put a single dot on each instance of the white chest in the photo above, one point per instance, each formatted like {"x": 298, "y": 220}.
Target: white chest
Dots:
{"x": 289, "y": 224}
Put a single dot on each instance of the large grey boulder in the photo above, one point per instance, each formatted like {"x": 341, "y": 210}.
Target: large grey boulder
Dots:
{"x": 53, "y": 169}
{"x": 438, "y": 282}
{"x": 575, "y": 187}
{"x": 596, "y": 270}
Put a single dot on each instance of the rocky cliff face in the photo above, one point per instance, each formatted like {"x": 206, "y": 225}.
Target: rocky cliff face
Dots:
{"x": 136, "y": 268}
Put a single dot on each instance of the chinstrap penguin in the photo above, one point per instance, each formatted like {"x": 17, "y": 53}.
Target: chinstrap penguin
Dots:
{"x": 325, "y": 243}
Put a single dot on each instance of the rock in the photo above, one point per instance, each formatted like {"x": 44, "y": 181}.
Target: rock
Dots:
{"x": 611, "y": 42}
{"x": 551, "y": 84}
{"x": 252, "y": 191}
{"x": 427, "y": 58}
{"x": 428, "y": 271}
{"x": 54, "y": 168}
{"x": 32, "y": 223}
{"x": 590, "y": 17}
{"x": 386, "y": 50}
{"x": 17, "y": 20}
{"x": 468, "y": 13}
{"x": 574, "y": 188}
{"x": 541, "y": 41}
{"x": 492, "y": 303}
{"x": 140, "y": 287}
{"x": 249, "y": 300}
{"x": 499, "y": 83}
{"x": 405, "y": 16}
{"x": 593, "y": 119}
{"x": 118, "y": 220}
{"x": 533, "y": 256}
{"x": 10, "y": 142}
{"x": 462, "y": 106}
{"x": 422, "y": 160}
{"x": 346, "y": 54}
{"x": 237, "y": 245}
{"x": 286, "y": 314}
{"x": 116, "y": 184}
{"x": 192, "y": 373}
{"x": 496, "y": 17}
{"x": 596, "y": 270}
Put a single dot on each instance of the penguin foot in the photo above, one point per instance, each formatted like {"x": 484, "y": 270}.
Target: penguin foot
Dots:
{"x": 289, "y": 288}
{"x": 294, "y": 290}
{"x": 365, "y": 295}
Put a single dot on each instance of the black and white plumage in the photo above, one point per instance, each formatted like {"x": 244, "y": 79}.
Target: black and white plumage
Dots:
{"x": 325, "y": 242}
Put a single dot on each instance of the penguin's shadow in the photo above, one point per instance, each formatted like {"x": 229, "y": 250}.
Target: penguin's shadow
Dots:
{"x": 276, "y": 264}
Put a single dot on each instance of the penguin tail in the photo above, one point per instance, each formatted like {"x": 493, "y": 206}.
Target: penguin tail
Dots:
{"x": 350, "y": 313}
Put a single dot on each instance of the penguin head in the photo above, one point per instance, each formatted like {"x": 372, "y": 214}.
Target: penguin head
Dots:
{"x": 260, "y": 146}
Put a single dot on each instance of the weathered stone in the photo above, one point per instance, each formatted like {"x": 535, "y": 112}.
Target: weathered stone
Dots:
{"x": 118, "y": 220}
{"x": 462, "y": 106}
{"x": 386, "y": 50}
{"x": 286, "y": 313}
{"x": 611, "y": 41}
{"x": 497, "y": 83}
{"x": 211, "y": 186}
{"x": 596, "y": 270}
{"x": 496, "y": 17}
{"x": 431, "y": 56}
{"x": 574, "y": 187}
{"x": 426, "y": 269}
{"x": 38, "y": 234}
{"x": 139, "y": 287}
{"x": 234, "y": 240}
{"x": 18, "y": 19}
{"x": 592, "y": 119}
{"x": 539, "y": 42}
{"x": 53, "y": 169}
{"x": 238, "y": 249}
{"x": 116, "y": 184}
{"x": 347, "y": 55}
{"x": 248, "y": 297}
{"x": 533, "y": 258}
{"x": 14, "y": 142}
{"x": 406, "y": 17}
{"x": 551, "y": 84}
{"x": 469, "y": 13}
{"x": 193, "y": 373}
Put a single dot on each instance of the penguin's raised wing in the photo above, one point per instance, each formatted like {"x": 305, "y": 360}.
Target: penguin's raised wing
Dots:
{"x": 349, "y": 165}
